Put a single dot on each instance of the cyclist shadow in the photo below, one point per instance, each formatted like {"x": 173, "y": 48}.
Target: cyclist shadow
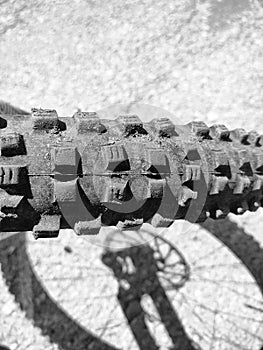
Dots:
{"x": 68, "y": 334}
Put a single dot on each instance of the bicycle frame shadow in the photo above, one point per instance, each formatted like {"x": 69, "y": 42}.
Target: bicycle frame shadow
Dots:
{"x": 68, "y": 334}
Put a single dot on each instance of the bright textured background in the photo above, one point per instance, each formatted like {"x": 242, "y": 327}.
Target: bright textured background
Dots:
{"x": 200, "y": 60}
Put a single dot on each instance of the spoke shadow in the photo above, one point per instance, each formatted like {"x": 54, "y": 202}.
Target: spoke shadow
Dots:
{"x": 244, "y": 246}
{"x": 135, "y": 269}
{"x": 135, "y": 280}
{"x": 37, "y": 304}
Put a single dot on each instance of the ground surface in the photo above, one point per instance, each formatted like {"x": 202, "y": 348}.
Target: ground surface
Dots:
{"x": 196, "y": 59}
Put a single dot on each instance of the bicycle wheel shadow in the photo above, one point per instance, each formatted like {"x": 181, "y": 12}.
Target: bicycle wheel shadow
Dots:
{"x": 136, "y": 270}
{"x": 38, "y": 305}
{"x": 243, "y": 245}
{"x": 68, "y": 334}
{"x": 2, "y": 347}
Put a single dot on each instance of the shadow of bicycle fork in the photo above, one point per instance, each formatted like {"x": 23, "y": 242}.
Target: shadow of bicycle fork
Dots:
{"x": 137, "y": 278}
{"x": 135, "y": 269}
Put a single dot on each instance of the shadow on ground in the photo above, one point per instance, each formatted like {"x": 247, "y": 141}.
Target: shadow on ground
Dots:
{"x": 64, "y": 331}
{"x": 37, "y": 304}
{"x": 133, "y": 285}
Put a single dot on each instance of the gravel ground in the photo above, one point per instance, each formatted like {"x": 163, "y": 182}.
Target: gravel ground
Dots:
{"x": 196, "y": 59}
{"x": 89, "y": 55}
